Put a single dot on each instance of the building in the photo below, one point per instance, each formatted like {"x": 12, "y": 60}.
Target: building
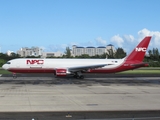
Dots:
{"x": 34, "y": 51}
{"x": 52, "y": 54}
{"x": 9, "y": 53}
{"x": 91, "y": 51}
{"x": 77, "y": 51}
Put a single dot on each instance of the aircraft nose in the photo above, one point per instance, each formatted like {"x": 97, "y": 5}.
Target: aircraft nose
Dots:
{"x": 5, "y": 67}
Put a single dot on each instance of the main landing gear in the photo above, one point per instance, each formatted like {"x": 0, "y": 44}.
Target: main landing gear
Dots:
{"x": 78, "y": 75}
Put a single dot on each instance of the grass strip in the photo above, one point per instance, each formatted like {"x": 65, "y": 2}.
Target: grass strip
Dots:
{"x": 139, "y": 71}
{"x": 4, "y": 72}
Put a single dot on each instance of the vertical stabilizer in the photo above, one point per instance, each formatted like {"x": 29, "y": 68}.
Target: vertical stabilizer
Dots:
{"x": 139, "y": 52}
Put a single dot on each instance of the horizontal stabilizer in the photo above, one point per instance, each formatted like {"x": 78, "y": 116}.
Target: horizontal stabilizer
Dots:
{"x": 140, "y": 64}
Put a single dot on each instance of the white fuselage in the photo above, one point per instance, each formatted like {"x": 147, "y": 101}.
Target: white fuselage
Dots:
{"x": 27, "y": 64}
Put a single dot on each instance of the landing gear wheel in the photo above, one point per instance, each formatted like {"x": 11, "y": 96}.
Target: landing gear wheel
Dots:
{"x": 75, "y": 76}
{"x": 78, "y": 77}
{"x": 81, "y": 77}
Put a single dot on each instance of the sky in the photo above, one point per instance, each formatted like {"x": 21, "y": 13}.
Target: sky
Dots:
{"x": 56, "y": 24}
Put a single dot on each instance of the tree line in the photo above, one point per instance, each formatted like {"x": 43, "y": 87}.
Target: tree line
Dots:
{"x": 153, "y": 57}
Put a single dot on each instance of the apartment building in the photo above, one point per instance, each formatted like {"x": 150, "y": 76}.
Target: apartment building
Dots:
{"x": 91, "y": 51}
{"x": 52, "y": 54}
{"x": 33, "y": 51}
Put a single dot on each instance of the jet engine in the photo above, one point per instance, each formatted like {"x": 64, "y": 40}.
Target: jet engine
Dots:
{"x": 61, "y": 72}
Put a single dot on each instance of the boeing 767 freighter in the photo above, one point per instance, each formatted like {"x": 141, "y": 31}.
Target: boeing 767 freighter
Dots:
{"x": 77, "y": 67}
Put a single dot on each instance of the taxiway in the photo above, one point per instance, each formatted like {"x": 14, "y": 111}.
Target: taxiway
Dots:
{"x": 67, "y": 95}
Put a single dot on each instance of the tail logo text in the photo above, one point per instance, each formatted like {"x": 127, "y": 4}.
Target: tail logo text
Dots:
{"x": 141, "y": 49}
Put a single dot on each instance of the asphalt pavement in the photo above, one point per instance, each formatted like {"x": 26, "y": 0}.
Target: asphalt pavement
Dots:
{"x": 107, "y": 98}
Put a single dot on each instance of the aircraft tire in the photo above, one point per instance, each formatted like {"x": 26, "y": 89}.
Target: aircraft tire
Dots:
{"x": 81, "y": 77}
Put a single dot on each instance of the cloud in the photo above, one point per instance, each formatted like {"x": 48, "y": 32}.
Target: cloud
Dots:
{"x": 155, "y": 42}
{"x": 129, "y": 38}
{"x": 117, "y": 40}
{"x": 100, "y": 41}
{"x": 144, "y": 32}
{"x": 55, "y": 48}
{"x": 127, "y": 42}
{"x": 43, "y": 48}
{"x": 86, "y": 44}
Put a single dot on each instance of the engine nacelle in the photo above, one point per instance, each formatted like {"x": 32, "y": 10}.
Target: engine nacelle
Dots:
{"x": 61, "y": 72}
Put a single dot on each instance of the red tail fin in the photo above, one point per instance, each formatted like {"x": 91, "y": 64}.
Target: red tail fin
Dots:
{"x": 139, "y": 52}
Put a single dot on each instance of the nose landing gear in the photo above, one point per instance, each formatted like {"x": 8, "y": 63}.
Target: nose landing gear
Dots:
{"x": 14, "y": 75}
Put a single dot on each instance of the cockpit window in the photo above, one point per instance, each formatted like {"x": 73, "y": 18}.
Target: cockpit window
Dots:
{"x": 8, "y": 63}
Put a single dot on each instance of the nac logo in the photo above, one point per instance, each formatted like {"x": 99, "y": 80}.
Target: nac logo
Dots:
{"x": 35, "y": 62}
{"x": 143, "y": 49}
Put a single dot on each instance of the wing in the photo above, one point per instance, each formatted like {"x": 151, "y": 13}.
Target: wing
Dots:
{"x": 85, "y": 68}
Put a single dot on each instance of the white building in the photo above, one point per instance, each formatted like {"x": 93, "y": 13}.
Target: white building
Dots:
{"x": 91, "y": 51}
{"x": 9, "y": 52}
{"x": 34, "y": 51}
{"x": 52, "y": 54}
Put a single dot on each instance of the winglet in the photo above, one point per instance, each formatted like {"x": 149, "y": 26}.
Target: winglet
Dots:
{"x": 139, "y": 52}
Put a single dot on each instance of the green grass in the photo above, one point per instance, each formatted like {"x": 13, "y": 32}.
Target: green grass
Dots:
{"x": 4, "y": 71}
{"x": 141, "y": 71}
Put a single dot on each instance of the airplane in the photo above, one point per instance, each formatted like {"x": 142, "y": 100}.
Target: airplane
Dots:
{"x": 78, "y": 67}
